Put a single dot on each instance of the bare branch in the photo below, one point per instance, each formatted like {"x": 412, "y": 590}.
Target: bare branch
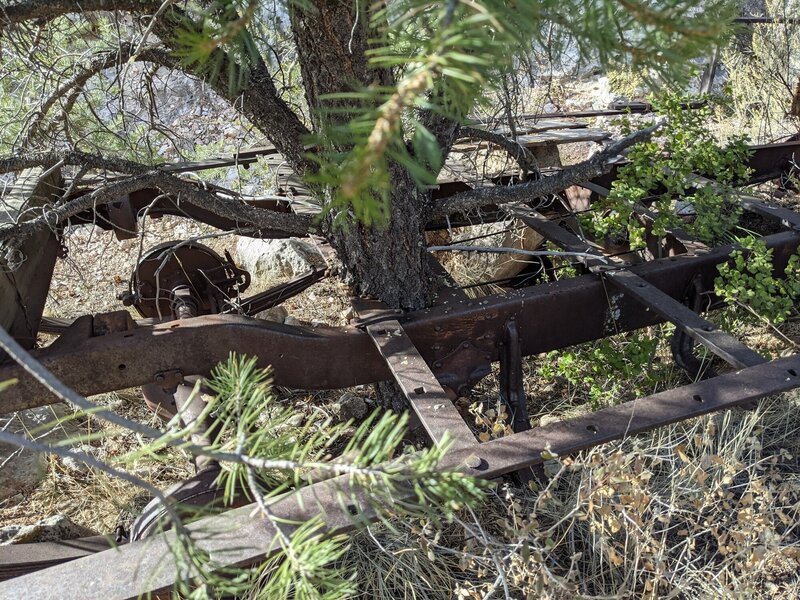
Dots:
{"x": 600, "y": 164}
{"x": 50, "y": 9}
{"x": 523, "y": 156}
{"x": 72, "y": 157}
{"x": 265, "y": 221}
{"x": 98, "y": 63}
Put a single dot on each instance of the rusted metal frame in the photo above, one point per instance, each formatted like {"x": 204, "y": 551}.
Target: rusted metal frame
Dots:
{"x": 717, "y": 341}
{"x": 21, "y": 559}
{"x": 787, "y": 218}
{"x": 577, "y": 310}
{"x": 419, "y": 385}
{"x": 512, "y": 388}
{"x": 278, "y": 294}
{"x": 241, "y": 537}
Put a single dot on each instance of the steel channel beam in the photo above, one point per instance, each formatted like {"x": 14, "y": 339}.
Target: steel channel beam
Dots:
{"x": 427, "y": 397}
{"x": 717, "y": 341}
{"x": 240, "y": 537}
{"x": 550, "y": 316}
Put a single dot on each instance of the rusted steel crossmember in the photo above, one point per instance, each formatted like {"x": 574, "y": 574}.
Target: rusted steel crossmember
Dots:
{"x": 240, "y": 537}
{"x": 458, "y": 340}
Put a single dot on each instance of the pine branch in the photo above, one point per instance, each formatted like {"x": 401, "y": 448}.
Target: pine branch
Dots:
{"x": 599, "y": 164}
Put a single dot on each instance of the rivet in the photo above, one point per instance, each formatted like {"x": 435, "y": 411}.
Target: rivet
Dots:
{"x": 473, "y": 461}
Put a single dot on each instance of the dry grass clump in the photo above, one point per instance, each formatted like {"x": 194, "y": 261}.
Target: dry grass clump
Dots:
{"x": 707, "y": 508}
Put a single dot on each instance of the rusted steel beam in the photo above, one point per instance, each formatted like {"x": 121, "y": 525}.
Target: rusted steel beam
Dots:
{"x": 241, "y": 537}
{"x": 458, "y": 340}
{"x": 21, "y": 559}
{"x": 23, "y": 291}
{"x": 717, "y": 341}
{"x": 424, "y": 393}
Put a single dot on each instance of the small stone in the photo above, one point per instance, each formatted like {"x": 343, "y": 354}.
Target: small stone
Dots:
{"x": 296, "y": 420}
{"x": 350, "y": 406}
{"x": 277, "y": 314}
{"x": 317, "y": 322}
{"x": 74, "y": 466}
{"x": 51, "y": 529}
{"x": 547, "y": 419}
{"x": 472, "y": 461}
{"x": 348, "y": 313}
{"x": 290, "y": 320}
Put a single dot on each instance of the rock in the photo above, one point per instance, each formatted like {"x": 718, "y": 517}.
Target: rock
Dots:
{"x": 296, "y": 420}
{"x": 25, "y": 469}
{"x": 349, "y": 406}
{"x": 74, "y": 466}
{"x": 278, "y": 314}
{"x": 272, "y": 259}
{"x": 348, "y": 313}
{"x": 290, "y": 320}
{"x": 547, "y": 419}
{"x": 51, "y": 529}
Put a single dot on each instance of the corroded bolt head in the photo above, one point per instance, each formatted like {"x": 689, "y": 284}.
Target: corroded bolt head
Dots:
{"x": 473, "y": 461}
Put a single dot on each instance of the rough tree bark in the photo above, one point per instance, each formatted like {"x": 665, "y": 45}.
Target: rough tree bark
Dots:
{"x": 387, "y": 263}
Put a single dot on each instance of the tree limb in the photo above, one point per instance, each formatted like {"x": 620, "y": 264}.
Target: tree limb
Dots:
{"x": 98, "y": 62}
{"x": 50, "y": 9}
{"x": 523, "y": 156}
{"x": 258, "y": 100}
{"x": 266, "y": 221}
{"x": 597, "y": 165}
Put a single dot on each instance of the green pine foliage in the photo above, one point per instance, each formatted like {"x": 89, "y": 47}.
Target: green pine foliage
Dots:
{"x": 265, "y": 456}
{"x": 449, "y": 56}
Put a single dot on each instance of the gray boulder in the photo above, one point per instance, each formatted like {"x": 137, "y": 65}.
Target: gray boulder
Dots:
{"x": 267, "y": 260}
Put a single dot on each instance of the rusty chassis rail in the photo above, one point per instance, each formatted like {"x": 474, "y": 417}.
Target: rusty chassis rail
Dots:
{"x": 459, "y": 339}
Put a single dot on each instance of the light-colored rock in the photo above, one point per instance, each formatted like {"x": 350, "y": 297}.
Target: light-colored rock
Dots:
{"x": 21, "y": 470}
{"x": 296, "y": 420}
{"x": 290, "y": 320}
{"x": 348, "y": 313}
{"x": 51, "y": 529}
{"x": 278, "y": 314}
{"x": 349, "y": 406}
{"x": 508, "y": 265}
{"x": 272, "y": 259}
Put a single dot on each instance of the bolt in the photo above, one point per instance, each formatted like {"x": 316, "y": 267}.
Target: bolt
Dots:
{"x": 473, "y": 461}
{"x": 160, "y": 378}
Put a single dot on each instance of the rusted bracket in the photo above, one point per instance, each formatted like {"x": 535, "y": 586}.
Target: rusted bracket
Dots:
{"x": 512, "y": 390}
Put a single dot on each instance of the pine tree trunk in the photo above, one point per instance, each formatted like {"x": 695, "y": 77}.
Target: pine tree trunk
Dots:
{"x": 389, "y": 263}
{"x": 386, "y": 263}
